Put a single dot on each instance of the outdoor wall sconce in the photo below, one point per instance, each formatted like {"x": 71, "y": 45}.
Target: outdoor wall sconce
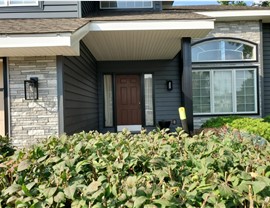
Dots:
{"x": 31, "y": 88}
{"x": 169, "y": 85}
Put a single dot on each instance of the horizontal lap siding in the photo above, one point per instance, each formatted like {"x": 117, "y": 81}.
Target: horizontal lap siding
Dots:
{"x": 48, "y": 9}
{"x": 80, "y": 92}
{"x": 167, "y": 102}
{"x": 266, "y": 66}
{"x": 89, "y": 7}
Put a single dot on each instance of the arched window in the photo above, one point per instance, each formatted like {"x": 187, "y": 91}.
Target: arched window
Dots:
{"x": 223, "y": 50}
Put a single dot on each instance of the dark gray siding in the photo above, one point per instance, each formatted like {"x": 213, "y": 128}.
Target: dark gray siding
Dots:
{"x": 46, "y": 9}
{"x": 266, "y": 66}
{"x": 166, "y": 103}
{"x": 89, "y": 7}
{"x": 80, "y": 99}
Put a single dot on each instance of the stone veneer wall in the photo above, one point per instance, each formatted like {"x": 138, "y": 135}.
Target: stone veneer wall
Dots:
{"x": 247, "y": 30}
{"x": 32, "y": 120}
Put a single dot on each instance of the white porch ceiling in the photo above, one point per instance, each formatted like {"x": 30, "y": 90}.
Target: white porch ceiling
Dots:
{"x": 142, "y": 40}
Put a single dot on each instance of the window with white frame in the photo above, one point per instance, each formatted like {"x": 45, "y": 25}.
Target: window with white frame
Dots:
{"x": 126, "y": 4}
{"x": 5, "y": 3}
{"x": 223, "y": 50}
{"x": 224, "y": 91}
{"x": 228, "y": 89}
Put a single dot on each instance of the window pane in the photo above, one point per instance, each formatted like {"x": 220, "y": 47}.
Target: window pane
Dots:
{"x": 222, "y": 81}
{"x": 148, "y": 93}
{"x": 3, "y": 3}
{"x": 108, "y": 100}
{"x": 23, "y": 2}
{"x": 125, "y": 4}
{"x": 201, "y": 91}
{"x": 245, "y": 90}
{"x": 222, "y": 50}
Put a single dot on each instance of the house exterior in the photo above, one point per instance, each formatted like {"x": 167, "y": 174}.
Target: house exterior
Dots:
{"x": 111, "y": 65}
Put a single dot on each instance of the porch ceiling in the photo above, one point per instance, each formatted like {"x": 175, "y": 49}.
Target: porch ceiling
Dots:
{"x": 142, "y": 40}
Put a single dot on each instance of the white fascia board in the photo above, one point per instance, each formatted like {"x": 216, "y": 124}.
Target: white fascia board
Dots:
{"x": 99, "y": 26}
{"x": 237, "y": 13}
{"x": 35, "y": 40}
{"x": 79, "y": 34}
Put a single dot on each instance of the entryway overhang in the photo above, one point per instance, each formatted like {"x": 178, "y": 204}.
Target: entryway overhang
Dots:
{"x": 142, "y": 40}
{"x": 41, "y": 37}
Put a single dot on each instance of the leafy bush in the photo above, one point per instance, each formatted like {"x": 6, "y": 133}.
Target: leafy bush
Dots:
{"x": 267, "y": 119}
{"x": 252, "y": 125}
{"x": 155, "y": 169}
{"x": 219, "y": 121}
{"x": 6, "y": 148}
{"x": 256, "y": 126}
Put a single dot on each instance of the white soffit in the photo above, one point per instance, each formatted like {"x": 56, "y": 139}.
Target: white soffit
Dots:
{"x": 142, "y": 40}
{"x": 263, "y": 15}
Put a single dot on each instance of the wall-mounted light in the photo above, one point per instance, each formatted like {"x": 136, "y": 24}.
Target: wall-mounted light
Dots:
{"x": 169, "y": 85}
{"x": 31, "y": 88}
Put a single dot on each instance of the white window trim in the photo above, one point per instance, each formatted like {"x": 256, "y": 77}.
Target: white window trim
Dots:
{"x": 234, "y": 98}
{"x": 254, "y": 58}
{"x": 7, "y": 4}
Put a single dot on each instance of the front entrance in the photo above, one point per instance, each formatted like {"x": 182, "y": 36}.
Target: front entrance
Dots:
{"x": 128, "y": 102}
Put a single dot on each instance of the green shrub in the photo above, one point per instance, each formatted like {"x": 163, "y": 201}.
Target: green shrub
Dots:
{"x": 155, "y": 169}
{"x": 6, "y": 148}
{"x": 267, "y": 119}
{"x": 219, "y": 121}
{"x": 253, "y": 125}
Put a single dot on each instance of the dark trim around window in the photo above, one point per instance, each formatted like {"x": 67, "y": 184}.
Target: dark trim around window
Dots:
{"x": 232, "y": 67}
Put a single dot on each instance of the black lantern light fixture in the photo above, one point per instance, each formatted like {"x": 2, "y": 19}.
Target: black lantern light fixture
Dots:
{"x": 31, "y": 88}
{"x": 169, "y": 85}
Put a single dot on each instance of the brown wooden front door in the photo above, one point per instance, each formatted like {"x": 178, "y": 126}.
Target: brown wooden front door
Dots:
{"x": 128, "y": 99}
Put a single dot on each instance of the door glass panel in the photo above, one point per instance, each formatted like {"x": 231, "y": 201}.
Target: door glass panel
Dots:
{"x": 148, "y": 97}
{"x": 2, "y": 108}
{"x": 108, "y": 100}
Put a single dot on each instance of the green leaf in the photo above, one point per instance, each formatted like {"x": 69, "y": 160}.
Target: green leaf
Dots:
{"x": 59, "y": 197}
{"x": 70, "y": 191}
{"x": 163, "y": 202}
{"x": 131, "y": 181}
{"x": 49, "y": 192}
{"x": 98, "y": 205}
{"x": 11, "y": 199}
{"x": 78, "y": 147}
{"x": 225, "y": 190}
{"x": 37, "y": 205}
{"x": 12, "y": 189}
{"x": 25, "y": 190}
{"x": 24, "y": 165}
{"x": 138, "y": 201}
{"x": 114, "y": 190}
{"x": 29, "y": 186}
{"x": 42, "y": 159}
{"x": 258, "y": 186}
{"x": 93, "y": 187}
{"x": 80, "y": 165}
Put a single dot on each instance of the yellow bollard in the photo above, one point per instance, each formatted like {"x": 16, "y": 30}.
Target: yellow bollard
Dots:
{"x": 183, "y": 118}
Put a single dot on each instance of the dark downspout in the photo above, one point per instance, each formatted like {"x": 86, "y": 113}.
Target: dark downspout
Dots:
{"x": 186, "y": 81}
